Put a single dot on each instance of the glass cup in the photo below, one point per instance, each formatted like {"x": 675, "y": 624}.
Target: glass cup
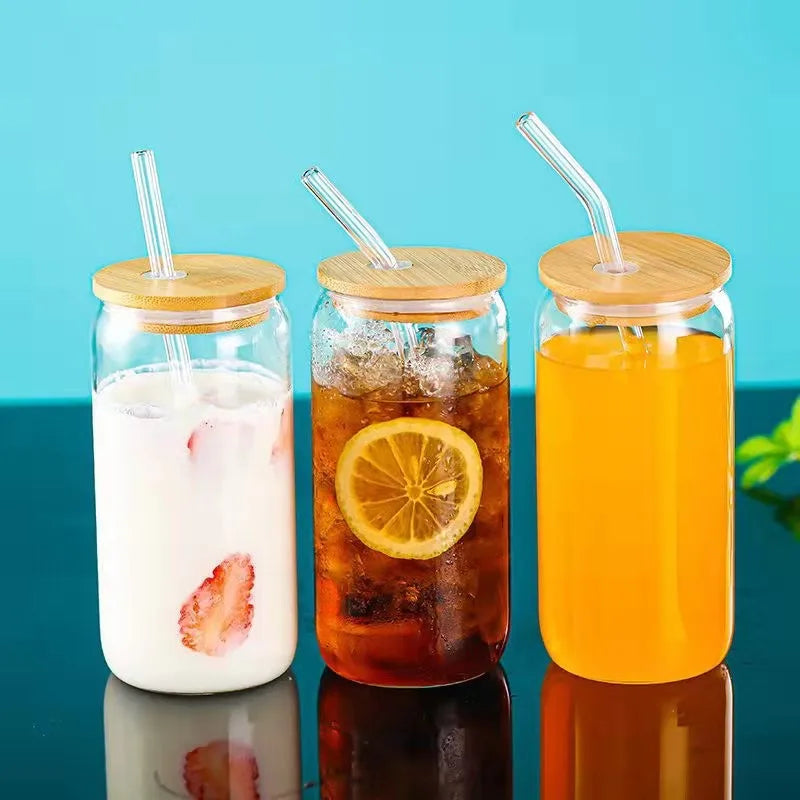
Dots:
{"x": 634, "y": 410}
{"x": 410, "y": 423}
{"x": 194, "y": 480}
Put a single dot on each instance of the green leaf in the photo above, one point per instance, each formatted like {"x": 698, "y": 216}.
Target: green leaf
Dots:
{"x": 781, "y": 434}
{"x": 758, "y": 446}
{"x": 761, "y": 471}
{"x": 793, "y": 431}
{"x": 789, "y": 516}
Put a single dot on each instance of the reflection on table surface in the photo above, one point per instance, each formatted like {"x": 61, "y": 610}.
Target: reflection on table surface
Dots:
{"x": 428, "y": 744}
{"x": 52, "y": 721}
{"x": 238, "y": 746}
{"x": 785, "y": 507}
{"x": 632, "y": 742}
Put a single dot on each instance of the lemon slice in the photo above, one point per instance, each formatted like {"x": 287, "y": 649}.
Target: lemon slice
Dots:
{"x": 409, "y": 487}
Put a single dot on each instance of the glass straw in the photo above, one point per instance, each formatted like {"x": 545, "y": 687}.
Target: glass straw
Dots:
{"x": 363, "y": 234}
{"x": 594, "y": 201}
{"x": 159, "y": 253}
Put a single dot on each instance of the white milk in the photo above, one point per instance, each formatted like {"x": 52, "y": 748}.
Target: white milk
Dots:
{"x": 195, "y": 530}
{"x": 238, "y": 746}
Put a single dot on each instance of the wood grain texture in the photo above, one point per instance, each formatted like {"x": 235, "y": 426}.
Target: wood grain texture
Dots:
{"x": 212, "y": 281}
{"x": 436, "y": 273}
{"x": 672, "y": 266}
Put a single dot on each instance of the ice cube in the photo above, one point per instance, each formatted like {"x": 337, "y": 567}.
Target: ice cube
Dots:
{"x": 463, "y": 350}
{"x": 369, "y": 336}
{"x": 427, "y": 340}
{"x": 222, "y": 397}
{"x": 356, "y": 375}
{"x": 433, "y": 342}
{"x": 144, "y": 411}
{"x": 437, "y": 374}
{"x": 358, "y": 360}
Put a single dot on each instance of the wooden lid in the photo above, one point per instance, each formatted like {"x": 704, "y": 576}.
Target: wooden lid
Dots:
{"x": 436, "y": 273}
{"x": 212, "y": 281}
{"x": 671, "y": 266}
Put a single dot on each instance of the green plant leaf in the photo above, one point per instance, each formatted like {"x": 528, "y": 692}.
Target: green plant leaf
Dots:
{"x": 761, "y": 471}
{"x": 793, "y": 430}
{"x": 758, "y": 446}
{"x": 781, "y": 434}
{"x": 789, "y": 515}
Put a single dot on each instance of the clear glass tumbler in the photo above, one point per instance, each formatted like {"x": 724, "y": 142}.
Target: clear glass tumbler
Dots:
{"x": 634, "y": 408}
{"x": 410, "y": 421}
{"x": 194, "y": 479}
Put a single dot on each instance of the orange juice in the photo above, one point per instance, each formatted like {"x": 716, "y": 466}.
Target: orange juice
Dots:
{"x": 635, "y": 496}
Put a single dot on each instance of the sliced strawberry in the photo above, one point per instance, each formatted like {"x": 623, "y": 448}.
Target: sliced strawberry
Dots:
{"x": 218, "y": 615}
{"x": 198, "y": 434}
{"x": 221, "y": 770}
{"x": 215, "y": 440}
{"x": 283, "y": 444}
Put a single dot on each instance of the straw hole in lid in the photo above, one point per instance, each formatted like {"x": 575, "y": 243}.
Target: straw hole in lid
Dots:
{"x": 149, "y": 275}
{"x": 627, "y": 268}
{"x": 400, "y": 265}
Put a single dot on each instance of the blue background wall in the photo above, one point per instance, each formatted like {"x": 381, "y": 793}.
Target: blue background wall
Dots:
{"x": 685, "y": 112}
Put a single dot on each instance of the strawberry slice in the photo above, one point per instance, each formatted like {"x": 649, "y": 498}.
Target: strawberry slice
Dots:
{"x": 218, "y": 615}
{"x": 283, "y": 444}
{"x": 198, "y": 435}
{"x": 221, "y": 770}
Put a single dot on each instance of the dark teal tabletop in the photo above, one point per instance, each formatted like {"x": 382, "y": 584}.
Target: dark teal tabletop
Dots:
{"x": 67, "y": 729}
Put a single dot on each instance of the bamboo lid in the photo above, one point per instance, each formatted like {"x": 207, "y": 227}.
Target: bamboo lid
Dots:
{"x": 212, "y": 281}
{"x": 436, "y": 273}
{"x": 671, "y": 266}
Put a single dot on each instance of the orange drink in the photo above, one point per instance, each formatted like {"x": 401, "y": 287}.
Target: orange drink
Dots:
{"x": 635, "y": 495}
{"x": 634, "y": 416}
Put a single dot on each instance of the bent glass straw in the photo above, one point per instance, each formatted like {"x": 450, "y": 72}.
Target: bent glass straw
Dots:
{"x": 594, "y": 201}
{"x": 606, "y": 239}
{"x": 362, "y": 233}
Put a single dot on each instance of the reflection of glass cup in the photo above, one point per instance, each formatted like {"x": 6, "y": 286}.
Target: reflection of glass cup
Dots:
{"x": 445, "y": 742}
{"x": 411, "y": 440}
{"x": 236, "y": 746}
{"x": 622, "y": 742}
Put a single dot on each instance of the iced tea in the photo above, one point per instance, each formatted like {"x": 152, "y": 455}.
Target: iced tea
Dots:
{"x": 399, "y": 620}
